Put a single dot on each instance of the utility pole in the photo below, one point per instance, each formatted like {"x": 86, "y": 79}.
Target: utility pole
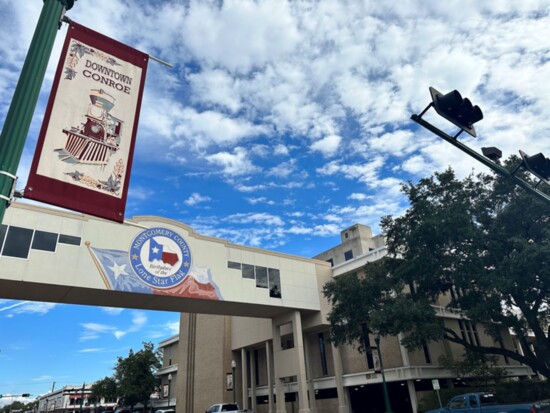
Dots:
{"x": 18, "y": 120}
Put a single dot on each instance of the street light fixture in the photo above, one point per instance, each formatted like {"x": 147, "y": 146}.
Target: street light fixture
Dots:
{"x": 233, "y": 367}
{"x": 463, "y": 114}
{"x": 169, "y": 386}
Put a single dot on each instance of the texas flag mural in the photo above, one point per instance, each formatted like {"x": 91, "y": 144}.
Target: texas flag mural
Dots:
{"x": 158, "y": 251}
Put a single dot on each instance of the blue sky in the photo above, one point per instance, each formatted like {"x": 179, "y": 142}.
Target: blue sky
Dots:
{"x": 280, "y": 124}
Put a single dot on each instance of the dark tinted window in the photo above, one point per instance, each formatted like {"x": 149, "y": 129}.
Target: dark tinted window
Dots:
{"x": 274, "y": 283}
{"x": 18, "y": 242}
{"x": 348, "y": 255}
{"x": 44, "y": 241}
{"x": 234, "y": 265}
{"x": 69, "y": 239}
{"x": 261, "y": 277}
{"x": 248, "y": 271}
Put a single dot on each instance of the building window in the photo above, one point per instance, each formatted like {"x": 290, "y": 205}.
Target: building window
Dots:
{"x": 426, "y": 350}
{"x": 370, "y": 349}
{"x": 248, "y": 271}
{"x": 348, "y": 255}
{"x": 274, "y": 283}
{"x": 18, "y": 242}
{"x": 69, "y": 240}
{"x": 261, "y": 277}
{"x": 169, "y": 348}
{"x": 323, "y": 353}
{"x": 234, "y": 265}
{"x": 468, "y": 331}
{"x": 268, "y": 278}
{"x": 44, "y": 241}
{"x": 287, "y": 336}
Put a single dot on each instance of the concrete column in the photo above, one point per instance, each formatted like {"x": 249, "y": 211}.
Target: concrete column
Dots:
{"x": 279, "y": 388}
{"x": 253, "y": 380}
{"x": 310, "y": 383}
{"x": 338, "y": 373}
{"x": 412, "y": 395}
{"x": 271, "y": 405}
{"x": 303, "y": 401}
{"x": 244, "y": 368}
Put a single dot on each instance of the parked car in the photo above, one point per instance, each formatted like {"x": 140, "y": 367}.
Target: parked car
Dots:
{"x": 165, "y": 411}
{"x": 487, "y": 403}
{"x": 227, "y": 408}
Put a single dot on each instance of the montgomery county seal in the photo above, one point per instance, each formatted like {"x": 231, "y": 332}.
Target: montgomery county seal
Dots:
{"x": 160, "y": 257}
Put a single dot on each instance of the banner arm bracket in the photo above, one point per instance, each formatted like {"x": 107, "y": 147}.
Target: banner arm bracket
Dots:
{"x": 162, "y": 62}
{"x": 12, "y": 191}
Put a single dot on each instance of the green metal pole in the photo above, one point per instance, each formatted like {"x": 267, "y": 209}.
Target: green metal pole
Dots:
{"x": 19, "y": 117}
{"x": 384, "y": 385}
{"x": 499, "y": 169}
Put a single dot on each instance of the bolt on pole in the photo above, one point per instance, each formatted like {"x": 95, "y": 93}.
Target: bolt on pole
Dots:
{"x": 18, "y": 120}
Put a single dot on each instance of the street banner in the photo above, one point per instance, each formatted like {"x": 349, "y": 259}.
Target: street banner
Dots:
{"x": 85, "y": 148}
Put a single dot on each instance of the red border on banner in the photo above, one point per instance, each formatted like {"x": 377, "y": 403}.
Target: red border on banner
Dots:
{"x": 65, "y": 195}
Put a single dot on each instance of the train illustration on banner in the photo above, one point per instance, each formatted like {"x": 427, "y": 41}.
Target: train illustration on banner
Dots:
{"x": 98, "y": 138}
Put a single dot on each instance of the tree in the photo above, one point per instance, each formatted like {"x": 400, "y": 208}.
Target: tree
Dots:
{"x": 135, "y": 375}
{"x": 480, "y": 368}
{"x": 481, "y": 241}
{"x": 106, "y": 388}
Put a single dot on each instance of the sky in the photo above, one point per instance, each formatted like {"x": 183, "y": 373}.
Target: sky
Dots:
{"x": 279, "y": 125}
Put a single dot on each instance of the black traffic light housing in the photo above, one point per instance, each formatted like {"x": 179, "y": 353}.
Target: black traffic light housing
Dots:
{"x": 457, "y": 109}
{"x": 537, "y": 164}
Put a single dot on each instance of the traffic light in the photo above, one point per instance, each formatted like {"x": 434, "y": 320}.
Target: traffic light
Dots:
{"x": 457, "y": 109}
{"x": 537, "y": 164}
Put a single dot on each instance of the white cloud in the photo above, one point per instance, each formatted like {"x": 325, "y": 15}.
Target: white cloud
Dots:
{"x": 240, "y": 35}
{"x": 112, "y": 310}
{"x": 328, "y": 146}
{"x": 260, "y": 200}
{"x": 93, "y": 331}
{"x": 233, "y": 164}
{"x": 27, "y": 307}
{"x": 264, "y": 218}
{"x": 196, "y": 198}
{"x": 357, "y": 196}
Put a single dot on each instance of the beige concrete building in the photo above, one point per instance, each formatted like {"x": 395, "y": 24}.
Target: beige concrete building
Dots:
{"x": 260, "y": 311}
{"x": 289, "y": 356}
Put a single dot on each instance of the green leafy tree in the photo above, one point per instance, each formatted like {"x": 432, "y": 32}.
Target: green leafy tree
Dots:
{"x": 135, "y": 375}
{"x": 15, "y": 406}
{"x": 106, "y": 388}
{"x": 480, "y": 240}
{"x": 482, "y": 369}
